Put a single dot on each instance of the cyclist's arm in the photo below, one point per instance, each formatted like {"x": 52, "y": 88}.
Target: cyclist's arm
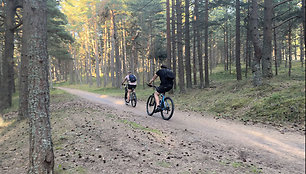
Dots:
{"x": 153, "y": 78}
{"x": 123, "y": 81}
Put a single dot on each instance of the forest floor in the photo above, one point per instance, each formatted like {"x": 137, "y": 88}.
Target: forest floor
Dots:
{"x": 95, "y": 133}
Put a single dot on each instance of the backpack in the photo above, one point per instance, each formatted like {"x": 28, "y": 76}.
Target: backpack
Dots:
{"x": 169, "y": 75}
{"x": 132, "y": 78}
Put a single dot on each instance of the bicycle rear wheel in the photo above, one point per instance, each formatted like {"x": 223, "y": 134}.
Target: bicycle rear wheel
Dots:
{"x": 167, "y": 109}
{"x": 133, "y": 99}
{"x": 151, "y": 105}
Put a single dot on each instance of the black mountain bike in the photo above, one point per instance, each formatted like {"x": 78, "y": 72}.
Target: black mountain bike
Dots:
{"x": 133, "y": 97}
{"x": 166, "y": 104}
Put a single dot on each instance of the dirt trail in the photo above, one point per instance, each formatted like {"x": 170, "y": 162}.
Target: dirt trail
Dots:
{"x": 271, "y": 150}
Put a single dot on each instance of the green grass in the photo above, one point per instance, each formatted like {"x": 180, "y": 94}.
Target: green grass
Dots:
{"x": 279, "y": 100}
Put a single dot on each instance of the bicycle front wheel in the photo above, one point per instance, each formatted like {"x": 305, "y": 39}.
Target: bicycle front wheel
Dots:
{"x": 167, "y": 109}
{"x": 151, "y": 105}
{"x": 133, "y": 99}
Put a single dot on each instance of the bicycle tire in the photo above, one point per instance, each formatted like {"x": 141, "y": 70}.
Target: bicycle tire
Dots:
{"x": 134, "y": 99}
{"x": 168, "y": 108}
{"x": 151, "y": 104}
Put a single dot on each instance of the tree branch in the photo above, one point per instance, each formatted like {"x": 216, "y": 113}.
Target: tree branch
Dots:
{"x": 280, "y": 24}
{"x": 280, "y": 3}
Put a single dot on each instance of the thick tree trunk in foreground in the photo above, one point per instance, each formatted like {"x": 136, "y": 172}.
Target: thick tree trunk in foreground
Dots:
{"x": 267, "y": 40}
{"x": 7, "y": 61}
{"x": 257, "y": 77}
{"x": 35, "y": 28}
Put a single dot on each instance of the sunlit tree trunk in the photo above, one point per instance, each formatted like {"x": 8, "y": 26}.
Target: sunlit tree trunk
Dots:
{"x": 96, "y": 51}
{"x": 105, "y": 73}
{"x": 301, "y": 48}
{"x": 35, "y": 28}
{"x": 118, "y": 61}
{"x": 112, "y": 51}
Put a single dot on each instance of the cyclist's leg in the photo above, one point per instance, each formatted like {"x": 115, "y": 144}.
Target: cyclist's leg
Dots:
{"x": 156, "y": 96}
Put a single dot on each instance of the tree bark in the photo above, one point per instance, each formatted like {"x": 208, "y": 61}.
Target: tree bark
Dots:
{"x": 35, "y": 28}
{"x": 238, "y": 65}
{"x": 257, "y": 77}
{"x": 267, "y": 40}
{"x": 96, "y": 51}
{"x": 173, "y": 44}
{"x": 180, "y": 47}
{"x": 301, "y": 49}
{"x": 112, "y": 51}
{"x": 199, "y": 44}
{"x": 187, "y": 46}
{"x": 168, "y": 34}
{"x": 206, "y": 46}
{"x": 118, "y": 61}
{"x": 194, "y": 50}
{"x": 8, "y": 58}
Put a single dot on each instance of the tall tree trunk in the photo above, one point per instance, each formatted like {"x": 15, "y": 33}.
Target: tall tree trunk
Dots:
{"x": 289, "y": 49}
{"x": 112, "y": 51}
{"x": 174, "y": 42}
{"x": 124, "y": 51}
{"x": 194, "y": 50}
{"x": 301, "y": 48}
{"x": 199, "y": 43}
{"x": 105, "y": 73}
{"x": 168, "y": 34}
{"x": 230, "y": 49}
{"x": 118, "y": 62}
{"x": 248, "y": 48}
{"x": 257, "y": 77}
{"x": 238, "y": 65}
{"x": 187, "y": 46}
{"x": 96, "y": 50}
{"x": 275, "y": 52}
{"x": 206, "y": 46}
{"x": 267, "y": 40}
{"x": 180, "y": 47}
{"x": 35, "y": 28}
{"x": 8, "y": 58}
{"x": 304, "y": 23}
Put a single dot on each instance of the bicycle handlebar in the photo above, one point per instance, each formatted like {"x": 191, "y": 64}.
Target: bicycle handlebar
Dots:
{"x": 153, "y": 86}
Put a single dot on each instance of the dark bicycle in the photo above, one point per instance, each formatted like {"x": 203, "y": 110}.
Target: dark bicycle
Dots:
{"x": 133, "y": 97}
{"x": 166, "y": 104}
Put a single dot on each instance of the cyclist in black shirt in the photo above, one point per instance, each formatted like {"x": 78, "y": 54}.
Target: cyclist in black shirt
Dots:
{"x": 165, "y": 85}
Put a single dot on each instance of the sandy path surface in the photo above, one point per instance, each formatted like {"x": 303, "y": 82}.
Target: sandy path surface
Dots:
{"x": 269, "y": 150}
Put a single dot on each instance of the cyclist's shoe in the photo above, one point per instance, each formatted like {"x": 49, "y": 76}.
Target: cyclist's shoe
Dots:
{"x": 127, "y": 102}
{"x": 158, "y": 109}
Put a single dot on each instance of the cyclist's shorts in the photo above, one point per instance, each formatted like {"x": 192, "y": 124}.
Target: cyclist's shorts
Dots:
{"x": 163, "y": 89}
{"x": 132, "y": 86}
